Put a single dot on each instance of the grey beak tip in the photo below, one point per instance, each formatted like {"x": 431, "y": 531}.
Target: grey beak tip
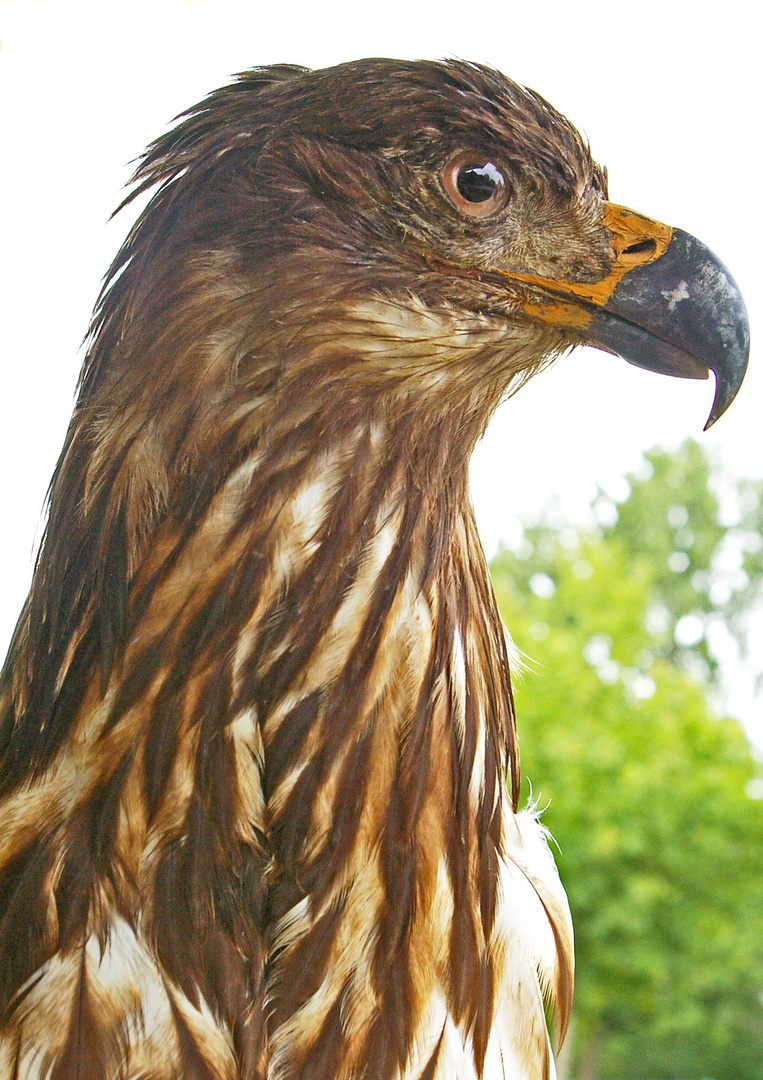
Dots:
{"x": 727, "y": 384}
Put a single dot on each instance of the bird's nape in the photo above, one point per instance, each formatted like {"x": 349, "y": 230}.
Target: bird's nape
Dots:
{"x": 258, "y": 760}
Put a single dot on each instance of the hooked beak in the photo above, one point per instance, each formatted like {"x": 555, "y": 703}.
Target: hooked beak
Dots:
{"x": 667, "y": 304}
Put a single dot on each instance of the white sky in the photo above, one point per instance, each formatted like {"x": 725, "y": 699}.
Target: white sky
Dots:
{"x": 668, "y": 94}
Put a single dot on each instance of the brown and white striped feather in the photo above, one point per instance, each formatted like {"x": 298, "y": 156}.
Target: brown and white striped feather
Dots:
{"x": 382, "y": 903}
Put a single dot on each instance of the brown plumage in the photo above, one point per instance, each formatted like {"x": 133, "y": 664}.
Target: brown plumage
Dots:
{"x": 256, "y": 719}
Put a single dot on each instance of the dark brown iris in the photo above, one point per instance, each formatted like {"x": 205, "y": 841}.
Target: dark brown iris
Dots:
{"x": 475, "y": 184}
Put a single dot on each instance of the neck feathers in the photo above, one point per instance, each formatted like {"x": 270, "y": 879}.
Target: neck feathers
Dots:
{"x": 256, "y": 723}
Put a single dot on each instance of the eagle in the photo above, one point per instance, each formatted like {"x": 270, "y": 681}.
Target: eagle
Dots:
{"x": 259, "y": 775}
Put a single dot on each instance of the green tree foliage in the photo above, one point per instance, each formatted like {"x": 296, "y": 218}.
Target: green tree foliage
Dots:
{"x": 648, "y": 793}
{"x": 699, "y": 532}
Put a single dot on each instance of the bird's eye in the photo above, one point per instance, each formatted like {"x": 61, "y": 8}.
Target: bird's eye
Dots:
{"x": 476, "y": 185}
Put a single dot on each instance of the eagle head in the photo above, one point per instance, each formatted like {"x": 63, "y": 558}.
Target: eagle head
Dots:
{"x": 432, "y": 223}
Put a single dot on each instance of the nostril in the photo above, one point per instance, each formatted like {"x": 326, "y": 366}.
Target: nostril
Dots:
{"x": 641, "y": 247}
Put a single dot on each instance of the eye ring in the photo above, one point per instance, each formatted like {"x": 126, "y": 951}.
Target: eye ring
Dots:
{"x": 475, "y": 184}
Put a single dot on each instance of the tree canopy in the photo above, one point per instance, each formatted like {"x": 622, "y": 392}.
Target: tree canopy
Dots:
{"x": 652, "y": 797}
